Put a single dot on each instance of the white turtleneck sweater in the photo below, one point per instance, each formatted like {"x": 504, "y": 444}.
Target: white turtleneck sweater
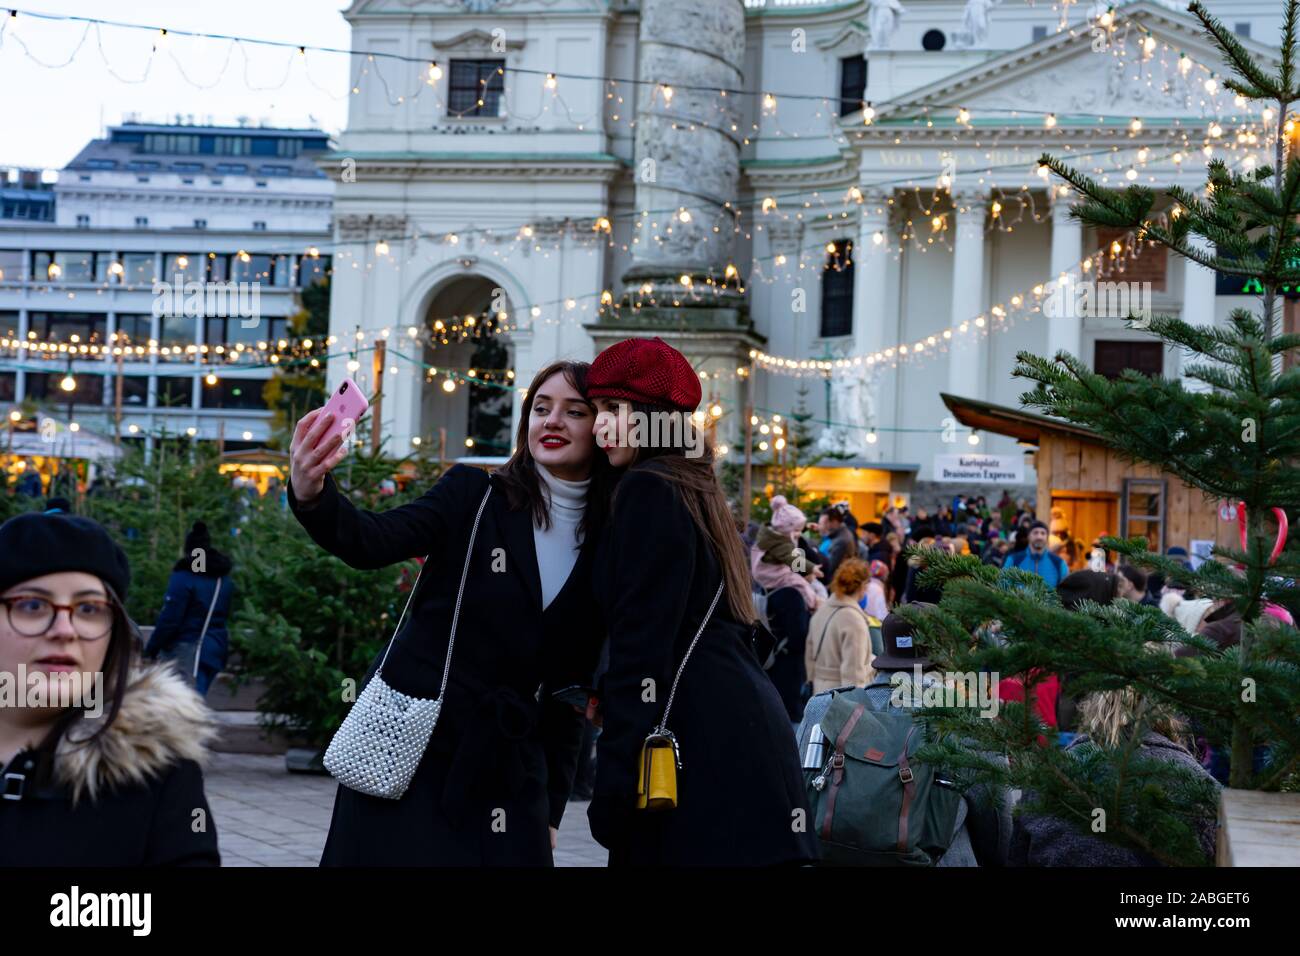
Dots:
{"x": 557, "y": 547}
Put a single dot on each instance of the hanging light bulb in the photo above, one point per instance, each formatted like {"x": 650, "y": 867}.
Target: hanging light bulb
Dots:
{"x": 769, "y": 102}
{"x": 667, "y": 92}
{"x": 435, "y": 73}
{"x": 868, "y": 114}
{"x": 68, "y": 383}
{"x": 1149, "y": 44}
{"x": 448, "y": 385}
{"x": 1135, "y": 125}
{"x": 210, "y": 378}
{"x": 1050, "y": 120}
{"x": 963, "y": 116}
{"x": 872, "y": 438}
{"x": 973, "y": 438}
{"x": 551, "y": 81}
{"x": 381, "y": 248}
{"x": 353, "y": 365}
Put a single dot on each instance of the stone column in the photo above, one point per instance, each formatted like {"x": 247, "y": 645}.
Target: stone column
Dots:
{"x": 687, "y": 153}
{"x": 968, "y": 353}
{"x": 1064, "y": 327}
{"x": 871, "y": 272}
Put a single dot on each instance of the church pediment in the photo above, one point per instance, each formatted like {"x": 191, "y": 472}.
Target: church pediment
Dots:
{"x": 475, "y": 41}
{"x": 1081, "y": 75}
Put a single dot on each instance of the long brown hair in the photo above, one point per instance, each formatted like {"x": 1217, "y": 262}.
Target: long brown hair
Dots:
{"x": 702, "y": 494}
{"x": 518, "y": 476}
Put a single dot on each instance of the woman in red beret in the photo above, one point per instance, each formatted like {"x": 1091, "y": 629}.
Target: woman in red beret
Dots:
{"x": 672, "y": 562}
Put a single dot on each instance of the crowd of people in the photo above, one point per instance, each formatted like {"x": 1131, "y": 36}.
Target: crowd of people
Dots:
{"x": 576, "y": 624}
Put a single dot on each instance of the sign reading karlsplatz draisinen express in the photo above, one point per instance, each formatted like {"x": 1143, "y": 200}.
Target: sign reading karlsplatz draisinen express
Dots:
{"x": 1008, "y": 468}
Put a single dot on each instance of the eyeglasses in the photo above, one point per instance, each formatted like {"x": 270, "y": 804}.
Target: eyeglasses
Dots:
{"x": 32, "y": 616}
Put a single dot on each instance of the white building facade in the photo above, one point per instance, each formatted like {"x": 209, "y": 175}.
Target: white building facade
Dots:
{"x": 135, "y": 211}
{"x": 829, "y": 204}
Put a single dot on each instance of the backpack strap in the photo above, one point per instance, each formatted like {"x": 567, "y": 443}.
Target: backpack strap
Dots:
{"x": 837, "y": 763}
{"x": 909, "y": 791}
{"x": 822, "y": 639}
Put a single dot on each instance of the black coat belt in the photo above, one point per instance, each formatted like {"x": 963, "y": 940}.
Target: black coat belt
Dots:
{"x": 494, "y": 738}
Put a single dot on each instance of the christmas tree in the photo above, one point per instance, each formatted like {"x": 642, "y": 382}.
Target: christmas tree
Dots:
{"x": 1229, "y": 427}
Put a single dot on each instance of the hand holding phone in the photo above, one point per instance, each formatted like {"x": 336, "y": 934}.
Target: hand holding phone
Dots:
{"x": 320, "y": 440}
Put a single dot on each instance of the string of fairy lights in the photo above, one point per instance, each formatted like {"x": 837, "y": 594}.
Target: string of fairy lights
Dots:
{"x": 1132, "y": 144}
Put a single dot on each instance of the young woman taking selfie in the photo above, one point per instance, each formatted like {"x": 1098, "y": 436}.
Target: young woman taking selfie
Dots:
{"x": 671, "y": 563}
{"x": 99, "y": 753}
{"x": 497, "y": 770}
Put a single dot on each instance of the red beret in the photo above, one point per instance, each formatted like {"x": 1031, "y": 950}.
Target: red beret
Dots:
{"x": 645, "y": 370}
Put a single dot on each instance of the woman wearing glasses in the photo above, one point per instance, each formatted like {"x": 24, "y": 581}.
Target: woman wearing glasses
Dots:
{"x": 99, "y": 754}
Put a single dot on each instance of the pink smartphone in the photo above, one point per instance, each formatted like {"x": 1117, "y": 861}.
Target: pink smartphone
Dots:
{"x": 348, "y": 405}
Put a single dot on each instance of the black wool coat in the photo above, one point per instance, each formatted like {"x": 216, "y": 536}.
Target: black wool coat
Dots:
{"x": 740, "y": 788}
{"x": 499, "y": 766}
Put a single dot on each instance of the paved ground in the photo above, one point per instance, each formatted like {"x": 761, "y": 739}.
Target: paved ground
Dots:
{"x": 266, "y": 816}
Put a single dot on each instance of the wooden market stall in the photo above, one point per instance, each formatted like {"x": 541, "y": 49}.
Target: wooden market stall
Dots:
{"x": 1088, "y": 488}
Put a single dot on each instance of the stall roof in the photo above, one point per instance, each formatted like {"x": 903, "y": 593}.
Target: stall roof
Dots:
{"x": 1014, "y": 422}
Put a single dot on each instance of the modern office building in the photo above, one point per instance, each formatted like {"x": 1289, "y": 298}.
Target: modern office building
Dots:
{"x": 89, "y": 264}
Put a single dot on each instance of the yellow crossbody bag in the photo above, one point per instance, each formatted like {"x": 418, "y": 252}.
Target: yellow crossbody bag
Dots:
{"x": 656, "y": 786}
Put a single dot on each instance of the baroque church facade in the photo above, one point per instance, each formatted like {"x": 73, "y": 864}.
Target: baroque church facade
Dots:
{"x": 828, "y": 207}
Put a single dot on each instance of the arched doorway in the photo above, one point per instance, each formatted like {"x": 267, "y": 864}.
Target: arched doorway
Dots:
{"x": 478, "y": 409}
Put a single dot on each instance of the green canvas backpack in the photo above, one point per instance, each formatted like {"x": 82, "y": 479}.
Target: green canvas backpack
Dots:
{"x": 873, "y": 803}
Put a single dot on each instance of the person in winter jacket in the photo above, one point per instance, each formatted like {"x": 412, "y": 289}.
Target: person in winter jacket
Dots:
{"x": 1036, "y": 557}
{"x": 739, "y": 784}
{"x": 775, "y": 560}
{"x": 838, "y": 650}
{"x": 982, "y": 829}
{"x": 834, "y": 528}
{"x": 875, "y": 601}
{"x": 1109, "y": 718}
{"x": 102, "y": 764}
{"x": 196, "y": 607}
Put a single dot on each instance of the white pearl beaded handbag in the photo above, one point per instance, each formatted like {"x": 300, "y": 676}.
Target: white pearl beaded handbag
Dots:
{"x": 382, "y": 739}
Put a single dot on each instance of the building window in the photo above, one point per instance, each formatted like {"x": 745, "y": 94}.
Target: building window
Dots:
{"x": 142, "y": 222}
{"x": 837, "y": 290}
{"x": 853, "y": 83}
{"x": 11, "y": 265}
{"x": 175, "y": 392}
{"x": 187, "y": 180}
{"x": 46, "y": 387}
{"x": 260, "y": 184}
{"x": 1110, "y": 358}
{"x": 1242, "y": 29}
{"x": 142, "y": 179}
{"x": 137, "y": 267}
{"x": 1142, "y": 511}
{"x": 1039, "y": 33}
{"x": 83, "y": 221}
{"x": 234, "y": 393}
{"x": 259, "y": 225}
{"x": 475, "y": 88}
{"x": 83, "y": 178}
{"x": 200, "y": 224}
{"x": 934, "y": 41}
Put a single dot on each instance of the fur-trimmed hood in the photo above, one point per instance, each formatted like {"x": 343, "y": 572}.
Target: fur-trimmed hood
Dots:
{"x": 162, "y": 721}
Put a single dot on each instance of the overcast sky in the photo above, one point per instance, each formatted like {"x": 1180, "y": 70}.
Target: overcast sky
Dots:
{"x": 47, "y": 115}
